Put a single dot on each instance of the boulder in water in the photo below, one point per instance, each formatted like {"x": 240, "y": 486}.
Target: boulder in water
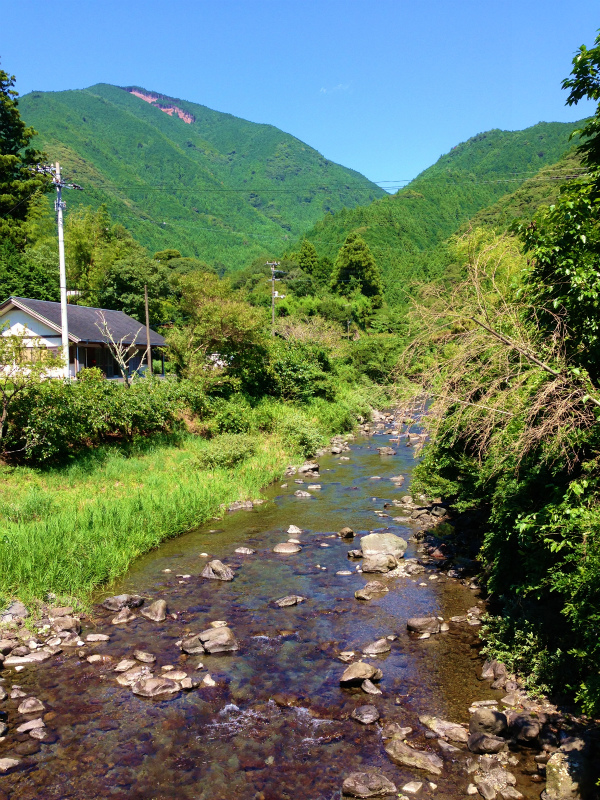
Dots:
{"x": 387, "y": 543}
{"x": 121, "y": 601}
{"x": 155, "y": 687}
{"x": 442, "y": 727}
{"x": 287, "y": 548}
{"x": 404, "y": 755}
{"x": 371, "y": 783}
{"x": 217, "y": 571}
{"x": 156, "y": 611}
{"x": 379, "y": 562}
{"x": 358, "y": 672}
{"x": 423, "y": 624}
{"x": 219, "y": 640}
{"x": 289, "y": 600}
{"x": 365, "y": 714}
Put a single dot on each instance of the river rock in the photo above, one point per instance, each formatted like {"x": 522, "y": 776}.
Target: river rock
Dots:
{"x": 66, "y": 624}
{"x": 29, "y": 726}
{"x": 369, "y": 687}
{"x": 404, "y": 755}
{"x": 145, "y": 658}
{"x": 386, "y": 543}
{"x": 287, "y": 548}
{"x": 289, "y": 600}
{"x": 485, "y": 743}
{"x": 423, "y": 624}
{"x": 125, "y": 664}
{"x": 379, "y": 562}
{"x": 308, "y": 466}
{"x": 365, "y": 714}
{"x": 302, "y": 493}
{"x": 6, "y": 764}
{"x": 486, "y": 720}
{"x": 391, "y": 729}
{"x": 293, "y": 530}
{"x": 32, "y": 658}
{"x": 30, "y": 706}
{"x": 3, "y": 729}
{"x": 358, "y": 672}
{"x": 219, "y": 640}
{"x": 124, "y": 616}
{"x": 245, "y": 551}
{"x": 98, "y": 637}
{"x": 155, "y": 687}
{"x": 3, "y": 693}
{"x": 16, "y": 610}
{"x": 368, "y": 784}
{"x": 386, "y": 451}
{"x": 217, "y": 571}
{"x": 568, "y": 776}
{"x": 156, "y": 611}
{"x": 377, "y": 648}
{"x": 193, "y": 645}
{"x": 134, "y": 675}
{"x": 524, "y": 728}
{"x": 121, "y": 601}
{"x": 370, "y": 589}
{"x": 346, "y": 533}
{"x": 6, "y": 645}
{"x": 442, "y": 727}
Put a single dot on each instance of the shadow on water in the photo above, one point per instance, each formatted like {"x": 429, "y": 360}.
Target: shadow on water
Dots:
{"x": 277, "y": 724}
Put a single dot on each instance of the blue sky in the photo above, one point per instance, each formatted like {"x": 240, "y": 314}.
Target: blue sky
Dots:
{"x": 384, "y": 87}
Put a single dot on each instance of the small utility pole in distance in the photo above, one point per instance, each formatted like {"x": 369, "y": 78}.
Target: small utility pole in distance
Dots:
{"x": 273, "y": 265}
{"x": 148, "y": 348}
{"x": 59, "y": 206}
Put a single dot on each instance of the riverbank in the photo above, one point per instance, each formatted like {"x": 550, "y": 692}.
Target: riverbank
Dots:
{"x": 67, "y": 530}
{"x": 272, "y": 715}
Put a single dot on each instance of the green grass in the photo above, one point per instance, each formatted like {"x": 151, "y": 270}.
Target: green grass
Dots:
{"x": 68, "y": 530}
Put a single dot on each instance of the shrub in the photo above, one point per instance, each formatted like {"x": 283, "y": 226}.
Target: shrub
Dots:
{"x": 299, "y": 370}
{"x": 227, "y": 451}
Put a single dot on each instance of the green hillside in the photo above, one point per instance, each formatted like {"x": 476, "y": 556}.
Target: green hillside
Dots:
{"x": 541, "y": 190}
{"x": 402, "y": 229}
{"x": 215, "y": 186}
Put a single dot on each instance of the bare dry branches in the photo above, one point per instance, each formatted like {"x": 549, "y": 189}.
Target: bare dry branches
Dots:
{"x": 481, "y": 356}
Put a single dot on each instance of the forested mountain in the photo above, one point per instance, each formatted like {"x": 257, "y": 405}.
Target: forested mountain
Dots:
{"x": 402, "y": 229}
{"x": 181, "y": 175}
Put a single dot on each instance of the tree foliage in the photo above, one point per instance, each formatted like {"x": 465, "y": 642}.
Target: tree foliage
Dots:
{"x": 18, "y": 183}
{"x": 355, "y": 270}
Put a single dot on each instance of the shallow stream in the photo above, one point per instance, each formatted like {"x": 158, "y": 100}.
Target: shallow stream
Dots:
{"x": 277, "y": 725}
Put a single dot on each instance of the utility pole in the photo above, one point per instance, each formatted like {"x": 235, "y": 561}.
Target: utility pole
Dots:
{"x": 148, "y": 349}
{"x": 59, "y": 207}
{"x": 273, "y": 265}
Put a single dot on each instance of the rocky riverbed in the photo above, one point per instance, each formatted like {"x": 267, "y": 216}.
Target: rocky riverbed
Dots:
{"x": 315, "y": 643}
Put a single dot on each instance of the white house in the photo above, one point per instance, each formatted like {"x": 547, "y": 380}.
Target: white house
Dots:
{"x": 88, "y": 343}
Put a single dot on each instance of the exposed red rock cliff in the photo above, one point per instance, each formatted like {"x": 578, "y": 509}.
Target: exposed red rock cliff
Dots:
{"x": 158, "y": 101}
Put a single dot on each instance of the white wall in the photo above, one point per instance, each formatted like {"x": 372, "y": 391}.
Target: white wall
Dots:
{"x": 19, "y": 322}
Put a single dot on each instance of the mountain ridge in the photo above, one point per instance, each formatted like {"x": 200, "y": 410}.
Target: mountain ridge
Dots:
{"x": 221, "y": 189}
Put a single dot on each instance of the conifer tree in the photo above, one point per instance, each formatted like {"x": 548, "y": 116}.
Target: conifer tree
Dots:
{"x": 356, "y": 269}
{"x": 308, "y": 260}
{"x": 18, "y": 184}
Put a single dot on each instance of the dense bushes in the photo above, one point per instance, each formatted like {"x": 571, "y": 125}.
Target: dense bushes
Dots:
{"x": 53, "y": 419}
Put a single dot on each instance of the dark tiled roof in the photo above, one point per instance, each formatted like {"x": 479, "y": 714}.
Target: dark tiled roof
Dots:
{"x": 84, "y": 321}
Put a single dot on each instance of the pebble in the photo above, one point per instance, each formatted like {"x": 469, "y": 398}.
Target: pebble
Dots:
{"x": 245, "y": 551}
{"x": 343, "y": 572}
{"x": 208, "y": 681}
{"x": 201, "y": 555}
{"x": 97, "y": 637}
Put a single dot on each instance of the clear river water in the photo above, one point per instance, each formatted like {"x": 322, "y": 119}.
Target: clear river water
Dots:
{"x": 277, "y": 724}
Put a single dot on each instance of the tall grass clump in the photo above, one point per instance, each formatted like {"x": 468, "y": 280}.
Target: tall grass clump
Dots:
{"x": 102, "y": 524}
